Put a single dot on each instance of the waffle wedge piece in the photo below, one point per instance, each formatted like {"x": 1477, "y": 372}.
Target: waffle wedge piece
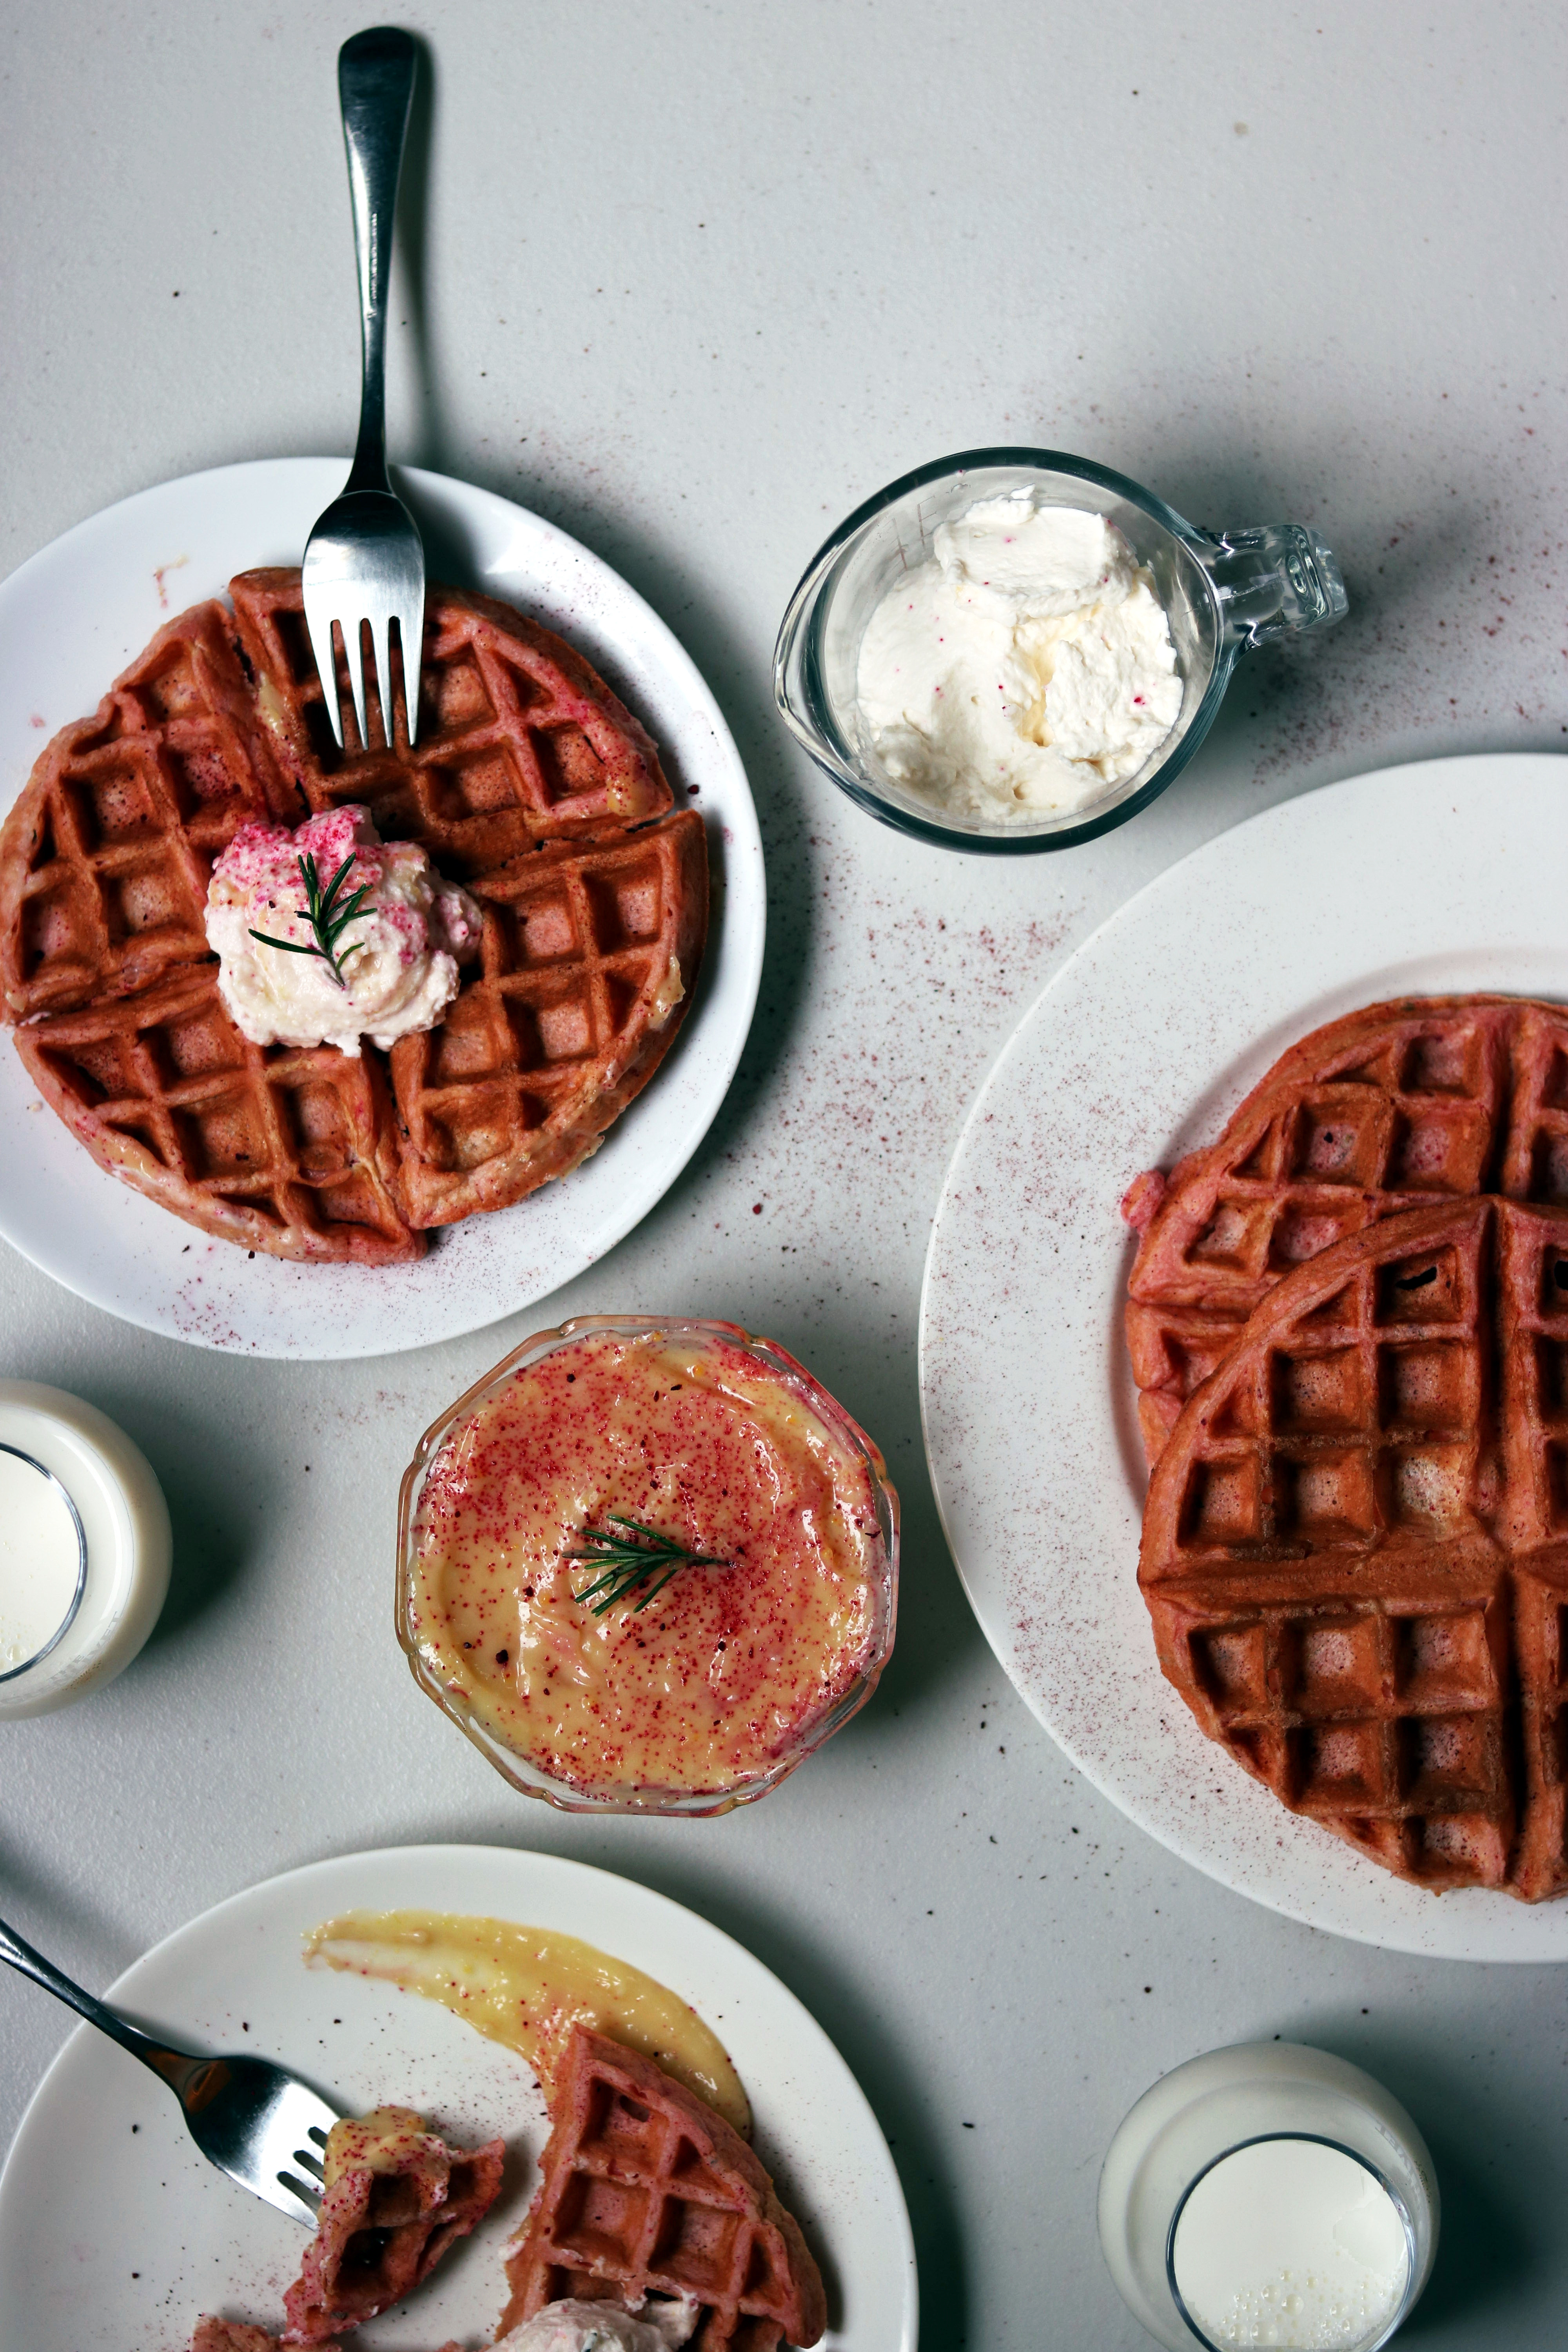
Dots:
{"x": 106, "y": 855}
{"x": 519, "y": 740}
{"x": 1394, "y": 1105}
{"x": 395, "y": 2198}
{"x": 292, "y": 1152}
{"x": 645, "y": 2191}
{"x": 1356, "y": 1545}
{"x": 589, "y": 957}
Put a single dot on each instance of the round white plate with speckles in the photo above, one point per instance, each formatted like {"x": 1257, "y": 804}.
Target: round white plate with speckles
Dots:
{"x": 1441, "y": 876}
{"x": 116, "y": 2235}
{"x": 70, "y": 619}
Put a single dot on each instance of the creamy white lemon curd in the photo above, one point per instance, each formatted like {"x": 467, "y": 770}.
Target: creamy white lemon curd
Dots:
{"x": 705, "y": 1684}
{"x": 399, "y": 957}
{"x": 1024, "y": 670}
{"x": 527, "y": 1988}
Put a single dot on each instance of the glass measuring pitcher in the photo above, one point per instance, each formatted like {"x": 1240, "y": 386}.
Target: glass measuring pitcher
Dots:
{"x": 1223, "y": 592}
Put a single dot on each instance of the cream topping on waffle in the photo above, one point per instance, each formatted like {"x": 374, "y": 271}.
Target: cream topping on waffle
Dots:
{"x": 661, "y": 2326}
{"x": 399, "y": 957}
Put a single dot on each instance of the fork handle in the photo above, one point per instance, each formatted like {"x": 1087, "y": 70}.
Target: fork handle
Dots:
{"x": 176, "y": 2067}
{"x": 376, "y": 90}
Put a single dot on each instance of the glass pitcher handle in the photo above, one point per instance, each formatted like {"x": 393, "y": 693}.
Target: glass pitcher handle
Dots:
{"x": 1273, "y": 582}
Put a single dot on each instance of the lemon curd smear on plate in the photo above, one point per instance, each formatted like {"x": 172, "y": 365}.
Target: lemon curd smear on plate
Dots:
{"x": 647, "y": 1566}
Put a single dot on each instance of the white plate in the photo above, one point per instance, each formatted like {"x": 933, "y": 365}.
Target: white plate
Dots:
{"x": 1446, "y": 876}
{"x": 70, "y": 619}
{"x": 115, "y": 2234}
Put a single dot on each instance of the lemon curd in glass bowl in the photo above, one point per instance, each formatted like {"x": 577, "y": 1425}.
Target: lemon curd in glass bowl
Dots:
{"x": 648, "y": 1565}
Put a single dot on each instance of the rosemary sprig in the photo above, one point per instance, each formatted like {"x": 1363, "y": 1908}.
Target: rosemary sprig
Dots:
{"x": 629, "y": 1560}
{"x": 325, "y": 916}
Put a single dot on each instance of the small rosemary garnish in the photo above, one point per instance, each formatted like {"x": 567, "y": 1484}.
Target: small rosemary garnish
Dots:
{"x": 325, "y": 916}
{"x": 629, "y": 1560}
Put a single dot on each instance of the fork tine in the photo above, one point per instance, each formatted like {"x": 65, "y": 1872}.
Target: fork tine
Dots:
{"x": 410, "y": 622}
{"x": 380, "y": 627}
{"x": 306, "y": 2192}
{"x": 353, "y": 649}
{"x": 320, "y": 624}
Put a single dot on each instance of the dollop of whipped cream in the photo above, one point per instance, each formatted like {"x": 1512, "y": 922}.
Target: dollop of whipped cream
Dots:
{"x": 399, "y": 956}
{"x": 1024, "y": 670}
{"x": 659, "y": 2326}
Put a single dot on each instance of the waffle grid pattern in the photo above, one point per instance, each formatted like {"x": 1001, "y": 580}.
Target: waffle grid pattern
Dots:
{"x": 284, "y": 1150}
{"x": 382, "y": 2231}
{"x": 526, "y": 763}
{"x": 518, "y": 741}
{"x": 585, "y": 953}
{"x": 104, "y": 869}
{"x": 1356, "y": 1548}
{"x": 641, "y": 2196}
{"x": 1373, "y": 1115}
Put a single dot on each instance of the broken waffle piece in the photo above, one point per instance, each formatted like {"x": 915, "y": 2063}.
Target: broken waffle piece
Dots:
{"x": 395, "y": 2198}
{"x": 648, "y": 2200}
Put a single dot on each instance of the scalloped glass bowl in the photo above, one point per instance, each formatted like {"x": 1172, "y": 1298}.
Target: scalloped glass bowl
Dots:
{"x": 519, "y": 1769}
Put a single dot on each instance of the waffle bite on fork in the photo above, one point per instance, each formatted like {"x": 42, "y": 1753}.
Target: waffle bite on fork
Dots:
{"x": 395, "y": 2198}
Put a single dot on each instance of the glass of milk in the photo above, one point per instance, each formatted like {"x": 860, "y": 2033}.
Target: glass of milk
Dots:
{"x": 1268, "y": 2194}
{"x": 1221, "y": 592}
{"x": 85, "y": 1548}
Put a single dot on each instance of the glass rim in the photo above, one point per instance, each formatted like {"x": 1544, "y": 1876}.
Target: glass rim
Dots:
{"x": 652, "y": 1800}
{"x": 1317, "y": 2139}
{"x": 9, "y": 1673}
{"x": 1077, "y": 826}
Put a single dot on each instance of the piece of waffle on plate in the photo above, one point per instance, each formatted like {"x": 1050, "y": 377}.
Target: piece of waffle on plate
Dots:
{"x": 648, "y": 2193}
{"x": 396, "y": 2197}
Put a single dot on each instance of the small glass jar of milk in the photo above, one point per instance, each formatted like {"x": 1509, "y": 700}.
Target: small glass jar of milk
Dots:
{"x": 85, "y": 1548}
{"x": 1269, "y": 2195}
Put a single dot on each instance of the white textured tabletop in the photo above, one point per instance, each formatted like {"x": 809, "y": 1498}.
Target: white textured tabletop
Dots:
{"x": 692, "y": 280}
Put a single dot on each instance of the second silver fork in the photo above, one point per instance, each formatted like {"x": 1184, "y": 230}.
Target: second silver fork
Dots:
{"x": 364, "y": 560}
{"x": 255, "y": 2122}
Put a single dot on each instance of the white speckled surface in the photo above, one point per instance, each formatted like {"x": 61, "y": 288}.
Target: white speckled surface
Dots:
{"x": 693, "y": 281}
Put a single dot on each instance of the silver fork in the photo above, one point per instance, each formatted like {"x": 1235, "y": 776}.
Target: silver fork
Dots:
{"x": 364, "y": 561}
{"x": 263, "y": 2127}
